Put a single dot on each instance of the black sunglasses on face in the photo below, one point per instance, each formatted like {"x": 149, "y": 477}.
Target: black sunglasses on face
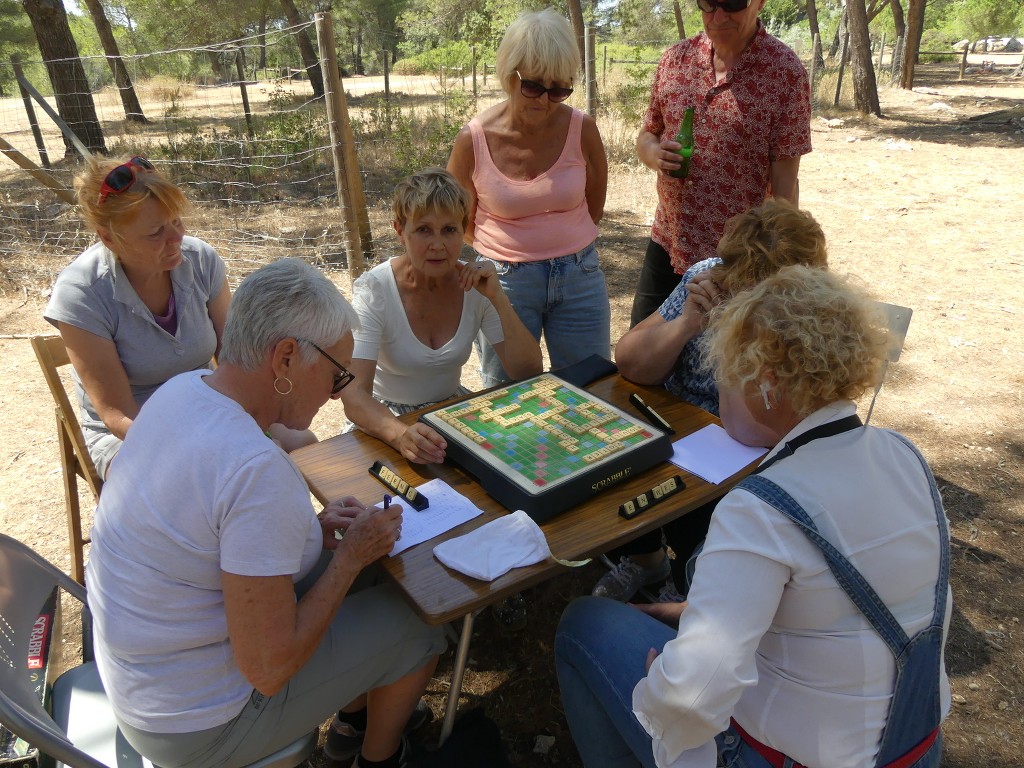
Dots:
{"x": 531, "y": 89}
{"x": 123, "y": 177}
{"x": 342, "y": 379}
{"x": 729, "y": 6}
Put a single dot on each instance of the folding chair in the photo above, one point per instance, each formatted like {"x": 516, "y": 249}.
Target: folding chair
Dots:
{"x": 74, "y": 457}
{"x": 897, "y": 322}
{"x": 82, "y": 731}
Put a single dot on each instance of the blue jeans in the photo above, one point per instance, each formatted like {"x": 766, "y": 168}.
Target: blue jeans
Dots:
{"x": 565, "y": 299}
{"x": 600, "y": 655}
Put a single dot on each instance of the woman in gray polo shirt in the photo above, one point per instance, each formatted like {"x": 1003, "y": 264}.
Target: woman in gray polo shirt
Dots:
{"x": 143, "y": 304}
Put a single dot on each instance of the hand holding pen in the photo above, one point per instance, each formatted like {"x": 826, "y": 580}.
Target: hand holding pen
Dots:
{"x": 373, "y": 534}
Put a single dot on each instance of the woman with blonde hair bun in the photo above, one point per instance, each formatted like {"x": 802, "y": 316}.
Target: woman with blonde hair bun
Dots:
{"x": 665, "y": 348}
{"x": 820, "y": 603}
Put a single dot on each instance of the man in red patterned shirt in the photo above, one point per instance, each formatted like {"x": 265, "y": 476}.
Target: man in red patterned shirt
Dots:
{"x": 752, "y": 123}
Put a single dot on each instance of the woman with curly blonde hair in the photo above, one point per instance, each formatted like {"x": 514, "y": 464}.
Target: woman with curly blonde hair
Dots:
{"x": 820, "y": 603}
{"x": 665, "y": 349}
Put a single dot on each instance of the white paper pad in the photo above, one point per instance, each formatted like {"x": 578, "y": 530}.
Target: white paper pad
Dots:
{"x": 448, "y": 508}
{"x": 712, "y": 455}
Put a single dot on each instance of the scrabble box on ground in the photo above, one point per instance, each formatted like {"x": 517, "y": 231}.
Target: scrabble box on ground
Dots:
{"x": 42, "y": 665}
{"x": 543, "y": 445}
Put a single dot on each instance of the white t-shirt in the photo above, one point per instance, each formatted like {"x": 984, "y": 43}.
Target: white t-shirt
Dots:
{"x": 770, "y": 637}
{"x": 199, "y": 489}
{"x": 408, "y": 371}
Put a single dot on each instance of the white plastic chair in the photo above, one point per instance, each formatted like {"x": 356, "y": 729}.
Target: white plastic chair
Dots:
{"x": 897, "y": 321}
{"x": 81, "y": 732}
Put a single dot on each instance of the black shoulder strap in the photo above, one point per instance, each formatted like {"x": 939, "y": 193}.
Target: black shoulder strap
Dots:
{"x": 824, "y": 430}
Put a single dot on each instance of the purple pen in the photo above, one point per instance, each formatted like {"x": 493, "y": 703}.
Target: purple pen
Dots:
{"x": 387, "y": 501}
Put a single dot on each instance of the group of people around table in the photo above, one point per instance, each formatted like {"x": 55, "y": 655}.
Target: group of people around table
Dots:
{"x": 231, "y": 617}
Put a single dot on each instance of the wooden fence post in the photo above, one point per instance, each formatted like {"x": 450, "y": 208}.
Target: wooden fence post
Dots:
{"x": 240, "y": 66}
{"x": 30, "y": 111}
{"x": 387, "y": 75}
{"x": 591, "y": 70}
{"x": 346, "y": 164}
{"x": 37, "y": 173}
{"x": 963, "y": 62}
{"x": 815, "y": 45}
{"x": 881, "y": 51}
{"x": 897, "y": 54}
{"x": 474, "y": 72}
{"x": 842, "y": 67}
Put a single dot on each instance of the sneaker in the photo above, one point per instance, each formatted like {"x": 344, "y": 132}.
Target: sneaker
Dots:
{"x": 669, "y": 594}
{"x": 510, "y": 613}
{"x": 627, "y": 578}
{"x": 404, "y": 761}
{"x": 344, "y": 742}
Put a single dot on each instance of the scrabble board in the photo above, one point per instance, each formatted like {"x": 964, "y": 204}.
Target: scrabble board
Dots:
{"x": 543, "y": 445}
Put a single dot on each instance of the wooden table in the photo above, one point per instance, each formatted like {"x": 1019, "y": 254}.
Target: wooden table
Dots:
{"x": 338, "y": 467}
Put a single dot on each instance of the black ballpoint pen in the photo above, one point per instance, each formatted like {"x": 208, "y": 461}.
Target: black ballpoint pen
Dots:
{"x": 652, "y": 415}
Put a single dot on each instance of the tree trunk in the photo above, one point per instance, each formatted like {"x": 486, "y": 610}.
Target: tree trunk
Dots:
{"x": 123, "y": 81}
{"x": 217, "y": 66}
{"x": 812, "y": 20}
{"x": 898, "y": 19}
{"x": 865, "y": 89}
{"x": 576, "y": 16}
{"x": 841, "y": 32}
{"x": 263, "y": 41}
{"x": 912, "y": 42}
{"x": 70, "y": 85}
{"x": 680, "y": 27}
{"x": 874, "y": 10}
{"x": 360, "y": 69}
{"x": 309, "y": 58}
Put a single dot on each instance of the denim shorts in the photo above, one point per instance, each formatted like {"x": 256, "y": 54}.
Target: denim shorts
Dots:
{"x": 564, "y": 299}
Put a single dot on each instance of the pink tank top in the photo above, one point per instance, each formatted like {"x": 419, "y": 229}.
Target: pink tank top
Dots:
{"x": 535, "y": 220}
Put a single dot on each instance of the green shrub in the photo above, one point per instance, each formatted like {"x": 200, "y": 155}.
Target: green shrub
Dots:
{"x": 396, "y": 141}
{"x": 445, "y": 58}
{"x": 935, "y": 40}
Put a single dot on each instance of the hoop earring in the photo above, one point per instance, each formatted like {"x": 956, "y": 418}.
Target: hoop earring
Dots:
{"x": 765, "y": 388}
{"x": 290, "y": 385}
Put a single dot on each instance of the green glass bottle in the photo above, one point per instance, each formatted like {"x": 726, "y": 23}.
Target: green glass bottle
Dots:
{"x": 687, "y": 150}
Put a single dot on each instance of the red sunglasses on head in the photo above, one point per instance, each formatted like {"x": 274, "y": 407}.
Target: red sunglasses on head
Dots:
{"x": 729, "y": 6}
{"x": 531, "y": 89}
{"x": 123, "y": 177}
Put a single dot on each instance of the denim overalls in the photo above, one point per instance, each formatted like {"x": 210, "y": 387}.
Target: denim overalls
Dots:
{"x": 910, "y": 738}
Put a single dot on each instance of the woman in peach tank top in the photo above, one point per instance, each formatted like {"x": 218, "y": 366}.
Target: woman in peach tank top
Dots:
{"x": 538, "y": 174}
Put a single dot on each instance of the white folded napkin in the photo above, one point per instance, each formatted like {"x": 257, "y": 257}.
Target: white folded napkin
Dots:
{"x": 495, "y": 548}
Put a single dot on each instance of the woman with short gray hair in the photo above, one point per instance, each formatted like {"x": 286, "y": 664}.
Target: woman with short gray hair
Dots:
{"x": 209, "y": 652}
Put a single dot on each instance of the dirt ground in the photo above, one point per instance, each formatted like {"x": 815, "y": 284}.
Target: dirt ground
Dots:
{"x": 923, "y": 206}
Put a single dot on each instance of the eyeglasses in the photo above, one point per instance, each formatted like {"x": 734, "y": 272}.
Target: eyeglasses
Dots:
{"x": 531, "y": 89}
{"x": 123, "y": 177}
{"x": 342, "y": 379}
{"x": 729, "y": 6}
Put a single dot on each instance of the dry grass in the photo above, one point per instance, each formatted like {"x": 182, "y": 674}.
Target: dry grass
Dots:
{"x": 922, "y": 205}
